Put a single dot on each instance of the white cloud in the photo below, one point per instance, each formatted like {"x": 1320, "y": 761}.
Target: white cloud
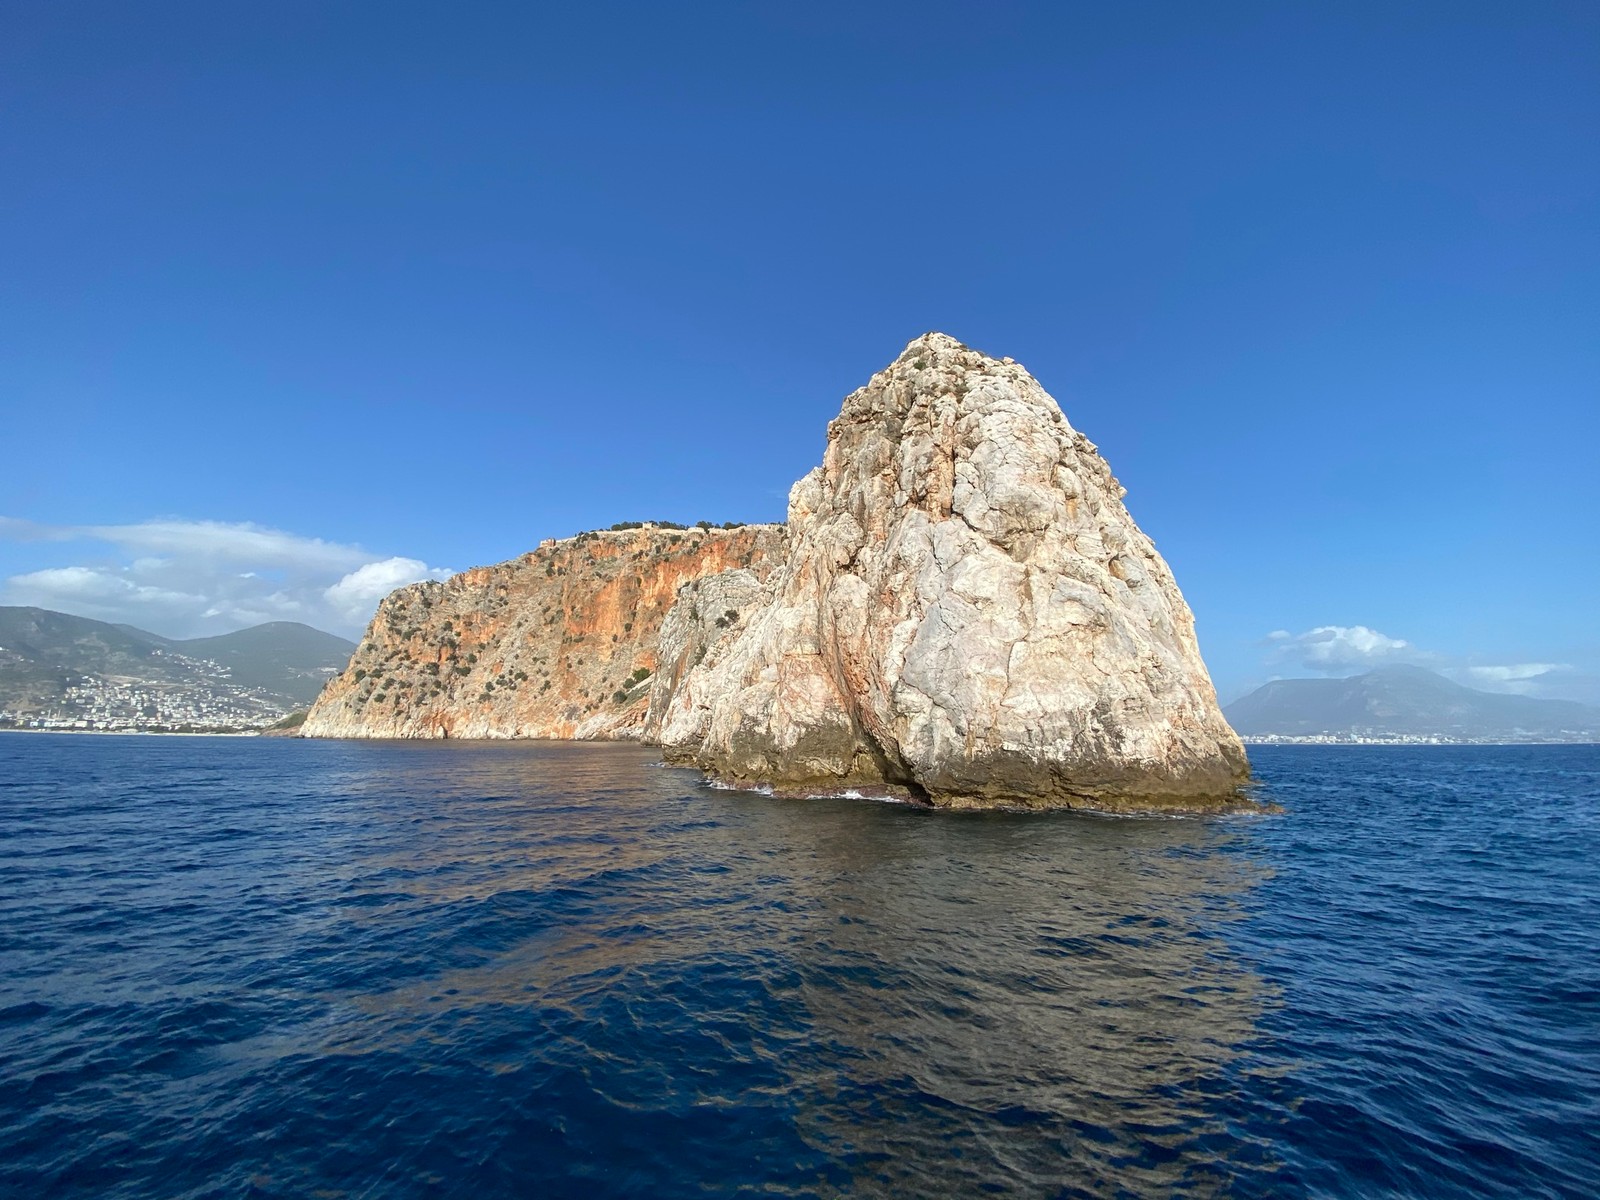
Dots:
{"x": 186, "y": 578}
{"x": 358, "y": 593}
{"x": 1514, "y": 673}
{"x": 1338, "y": 649}
{"x": 1355, "y": 649}
{"x": 91, "y": 586}
{"x": 233, "y": 541}
{"x": 1522, "y": 679}
{"x": 237, "y": 543}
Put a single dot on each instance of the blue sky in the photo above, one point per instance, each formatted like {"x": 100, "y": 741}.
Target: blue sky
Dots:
{"x": 302, "y": 299}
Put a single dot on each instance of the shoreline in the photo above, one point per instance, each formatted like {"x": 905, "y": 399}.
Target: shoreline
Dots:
{"x": 1418, "y": 745}
{"x": 238, "y": 733}
{"x": 252, "y": 733}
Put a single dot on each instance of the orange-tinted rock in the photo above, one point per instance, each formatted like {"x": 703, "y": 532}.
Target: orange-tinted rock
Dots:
{"x": 560, "y": 643}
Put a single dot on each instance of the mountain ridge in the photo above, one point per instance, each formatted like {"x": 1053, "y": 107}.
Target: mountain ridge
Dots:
{"x": 65, "y": 668}
{"x": 1404, "y": 702}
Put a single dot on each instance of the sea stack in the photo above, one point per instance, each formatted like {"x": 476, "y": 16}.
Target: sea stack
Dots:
{"x": 966, "y": 614}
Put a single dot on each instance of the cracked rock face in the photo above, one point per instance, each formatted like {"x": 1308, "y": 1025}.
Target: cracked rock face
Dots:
{"x": 560, "y": 643}
{"x": 966, "y": 613}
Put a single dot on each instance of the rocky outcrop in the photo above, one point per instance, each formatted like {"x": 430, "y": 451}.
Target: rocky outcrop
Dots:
{"x": 966, "y": 613}
{"x": 560, "y": 643}
{"x": 960, "y": 610}
{"x": 706, "y": 613}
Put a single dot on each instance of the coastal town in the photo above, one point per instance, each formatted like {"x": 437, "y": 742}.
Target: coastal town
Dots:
{"x": 1353, "y": 738}
{"x": 64, "y": 673}
{"x": 209, "y": 705}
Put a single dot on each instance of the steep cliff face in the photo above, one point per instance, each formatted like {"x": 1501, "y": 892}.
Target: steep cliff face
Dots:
{"x": 708, "y": 612}
{"x": 967, "y": 612}
{"x": 560, "y": 643}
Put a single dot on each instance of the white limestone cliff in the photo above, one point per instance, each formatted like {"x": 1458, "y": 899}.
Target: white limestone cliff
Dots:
{"x": 967, "y": 614}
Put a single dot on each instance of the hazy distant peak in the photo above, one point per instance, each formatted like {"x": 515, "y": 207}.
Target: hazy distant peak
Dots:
{"x": 1403, "y": 700}
{"x": 1405, "y": 671}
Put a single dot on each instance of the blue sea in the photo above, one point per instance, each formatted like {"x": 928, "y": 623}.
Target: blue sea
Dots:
{"x": 256, "y": 967}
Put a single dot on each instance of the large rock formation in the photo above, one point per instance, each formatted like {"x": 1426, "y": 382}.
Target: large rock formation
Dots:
{"x": 560, "y": 643}
{"x": 966, "y": 613}
{"x": 960, "y": 610}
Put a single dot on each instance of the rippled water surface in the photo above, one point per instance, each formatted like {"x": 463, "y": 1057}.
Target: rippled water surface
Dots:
{"x": 279, "y": 968}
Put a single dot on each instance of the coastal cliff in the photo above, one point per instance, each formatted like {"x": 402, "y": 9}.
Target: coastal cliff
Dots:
{"x": 559, "y": 643}
{"x": 967, "y": 614}
{"x": 960, "y": 610}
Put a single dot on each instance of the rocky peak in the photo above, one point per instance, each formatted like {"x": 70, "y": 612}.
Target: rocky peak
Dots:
{"x": 967, "y": 611}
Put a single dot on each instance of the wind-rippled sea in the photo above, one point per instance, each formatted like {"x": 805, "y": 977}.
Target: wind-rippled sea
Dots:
{"x": 257, "y": 967}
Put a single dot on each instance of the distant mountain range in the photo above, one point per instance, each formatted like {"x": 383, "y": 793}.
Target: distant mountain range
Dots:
{"x": 62, "y": 671}
{"x": 1405, "y": 704}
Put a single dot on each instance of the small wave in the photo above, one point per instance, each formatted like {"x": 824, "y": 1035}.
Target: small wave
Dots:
{"x": 722, "y": 785}
{"x": 873, "y": 797}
